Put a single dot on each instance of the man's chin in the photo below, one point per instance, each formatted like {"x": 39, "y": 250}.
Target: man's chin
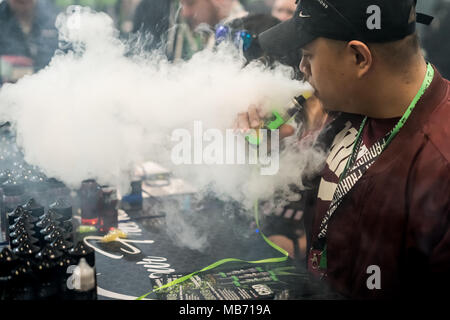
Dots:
{"x": 329, "y": 107}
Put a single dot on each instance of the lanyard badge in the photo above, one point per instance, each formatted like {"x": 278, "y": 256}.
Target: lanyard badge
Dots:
{"x": 354, "y": 170}
{"x": 317, "y": 264}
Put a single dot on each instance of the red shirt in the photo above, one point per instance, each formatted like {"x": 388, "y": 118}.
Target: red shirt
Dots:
{"x": 397, "y": 215}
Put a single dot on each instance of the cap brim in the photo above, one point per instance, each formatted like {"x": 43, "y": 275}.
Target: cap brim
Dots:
{"x": 284, "y": 41}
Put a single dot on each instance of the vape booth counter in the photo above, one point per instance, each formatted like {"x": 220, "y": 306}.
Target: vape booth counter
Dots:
{"x": 157, "y": 242}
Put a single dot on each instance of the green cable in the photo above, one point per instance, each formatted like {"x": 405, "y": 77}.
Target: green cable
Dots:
{"x": 223, "y": 261}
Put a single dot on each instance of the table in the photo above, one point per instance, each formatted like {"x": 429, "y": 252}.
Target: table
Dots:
{"x": 130, "y": 268}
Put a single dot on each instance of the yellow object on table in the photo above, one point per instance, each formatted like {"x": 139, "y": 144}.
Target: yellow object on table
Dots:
{"x": 113, "y": 235}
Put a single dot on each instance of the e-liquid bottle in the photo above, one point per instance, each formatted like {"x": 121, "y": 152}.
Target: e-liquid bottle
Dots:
{"x": 51, "y": 279}
{"x": 26, "y": 250}
{"x": 80, "y": 250}
{"x": 90, "y": 200}
{"x": 8, "y": 261}
{"x": 48, "y": 229}
{"x": 46, "y": 284}
{"x": 13, "y": 215}
{"x": 61, "y": 244}
{"x": 4, "y": 176}
{"x": 15, "y": 233}
{"x": 34, "y": 208}
{"x": 19, "y": 227}
{"x": 19, "y": 222}
{"x": 26, "y": 216}
{"x": 23, "y": 283}
{"x": 56, "y": 190}
{"x": 50, "y": 216}
{"x": 13, "y": 196}
{"x": 134, "y": 198}
{"x": 36, "y": 188}
{"x": 62, "y": 207}
{"x": 3, "y": 221}
{"x": 108, "y": 218}
{"x": 85, "y": 284}
{"x": 16, "y": 242}
{"x": 63, "y": 275}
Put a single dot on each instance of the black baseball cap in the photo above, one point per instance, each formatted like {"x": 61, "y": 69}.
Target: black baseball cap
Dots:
{"x": 371, "y": 21}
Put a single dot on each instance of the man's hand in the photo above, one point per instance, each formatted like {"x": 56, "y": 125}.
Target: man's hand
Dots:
{"x": 253, "y": 118}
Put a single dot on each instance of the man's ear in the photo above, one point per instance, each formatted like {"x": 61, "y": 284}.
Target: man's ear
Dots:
{"x": 362, "y": 56}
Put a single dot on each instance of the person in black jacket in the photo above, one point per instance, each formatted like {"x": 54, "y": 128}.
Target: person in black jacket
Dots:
{"x": 27, "y": 29}
{"x": 436, "y": 39}
{"x": 152, "y": 18}
{"x": 254, "y": 24}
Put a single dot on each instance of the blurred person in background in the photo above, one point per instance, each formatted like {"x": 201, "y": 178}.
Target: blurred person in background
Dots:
{"x": 258, "y": 6}
{"x": 210, "y": 12}
{"x": 283, "y": 9}
{"x": 121, "y": 11}
{"x": 425, "y": 6}
{"x": 243, "y": 33}
{"x": 194, "y": 29}
{"x": 436, "y": 40}
{"x": 182, "y": 27}
{"x": 152, "y": 19}
{"x": 28, "y": 37}
{"x": 125, "y": 11}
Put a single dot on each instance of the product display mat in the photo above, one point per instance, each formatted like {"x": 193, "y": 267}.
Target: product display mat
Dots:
{"x": 152, "y": 256}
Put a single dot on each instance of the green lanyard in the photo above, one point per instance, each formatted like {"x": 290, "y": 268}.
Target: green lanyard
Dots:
{"x": 426, "y": 83}
{"x": 284, "y": 257}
